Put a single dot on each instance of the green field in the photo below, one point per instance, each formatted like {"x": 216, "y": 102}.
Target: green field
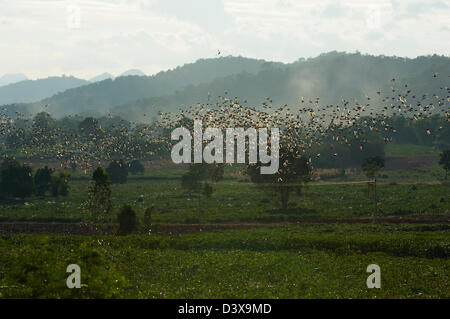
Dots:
{"x": 304, "y": 261}
{"x": 238, "y": 200}
{"x": 403, "y": 150}
{"x": 317, "y": 248}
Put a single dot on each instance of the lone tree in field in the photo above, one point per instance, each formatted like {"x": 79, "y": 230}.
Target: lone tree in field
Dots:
{"x": 371, "y": 166}
{"x": 444, "y": 161}
{"x": 59, "y": 184}
{"x": 198, "y": 179}
{"x": 118, "y": 172}
{"x": 99, "y": 196}
{"x": 127, "y": 220}
{"x": 294, "y": 172}
{"x": 42, "y": 180}
{"x": 16, "y": 179}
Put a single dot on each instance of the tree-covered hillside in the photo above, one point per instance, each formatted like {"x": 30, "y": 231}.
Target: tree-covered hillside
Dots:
{"x": 331, "y": 77}
{"x": 99, "y": 97}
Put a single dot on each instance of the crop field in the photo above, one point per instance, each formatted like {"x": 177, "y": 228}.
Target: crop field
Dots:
{"x": 290, "y": 261}
{"x": 238, "y": 200}
{"x": 240, "y": 245}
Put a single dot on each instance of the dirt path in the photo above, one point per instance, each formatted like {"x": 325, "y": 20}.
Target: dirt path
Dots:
{"x": 174, "y": 229}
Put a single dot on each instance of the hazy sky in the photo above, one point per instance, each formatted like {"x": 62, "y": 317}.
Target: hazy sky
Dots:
{"x": 87, "y": 37}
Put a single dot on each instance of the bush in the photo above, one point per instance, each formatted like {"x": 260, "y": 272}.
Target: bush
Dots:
{"x": 41, "y": 273}
{"x": 118, "y": 172}
{"x": 16, "y": 180}
{"x": 60, "y": 184}
{"x": 98, "y": 204}
{"x": 136, "y": 167}
{"x": 147, "y": 221}
{"x": 42, "y": 180}
{"x": 127, "y": 220}
{"x": 8, "y": 162}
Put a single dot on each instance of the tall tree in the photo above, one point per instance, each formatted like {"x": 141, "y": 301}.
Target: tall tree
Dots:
{"x": 42, "y": 180}
{"x": 371, "y": 166}
{"x": 444, "y": 161}
{"x": 16, "y": 180}
{"x": 118, "y": 171}
{"x": 294, "y": 172}
{"x": 199, "y": 177}
{"x": 99, "y": 196}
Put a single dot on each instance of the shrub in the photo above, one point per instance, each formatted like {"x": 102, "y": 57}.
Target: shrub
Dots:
{"x": 127, "y": 220}
{"x": 99, "y": 196}
{"x": 118, "y": 172}
{"x": 42, "y": 180}
{"x": 60, "y": 184}
{"x": 147, "y": 221}
{"x": 16, "y": 180}
{"x": 41, "y": 273}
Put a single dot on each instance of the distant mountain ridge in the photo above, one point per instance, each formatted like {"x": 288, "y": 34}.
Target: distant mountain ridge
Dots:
{"x": 12, "y": 78}
{"x": 102, "y": 96}
{"x": 331, "y": 76}
{"x": 135, "y": 72}
{"x": 35, "y": 90}
{"x": 101, "y": 77}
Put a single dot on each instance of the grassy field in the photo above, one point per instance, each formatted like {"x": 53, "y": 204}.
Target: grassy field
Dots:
{"x": 408, "y": 150}
{"x": 235, "y": 200}
{"x": 303, "y": 261}
{"x": 317, "y": 248}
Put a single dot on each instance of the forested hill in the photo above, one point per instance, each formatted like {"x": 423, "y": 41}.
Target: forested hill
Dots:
{"x": 331, "y": 77}
{"x": 35, "y": 90}
{"x": 99, "y": 97}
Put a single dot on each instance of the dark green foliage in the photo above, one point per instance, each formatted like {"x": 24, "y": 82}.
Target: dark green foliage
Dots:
{"x": 289, "y": 261}
{"x": 42, "y": 180}
{"x": 294, "y": 172}
{"x": 41, "y": 273}
{"x": 444, "y": 161}
{"x": 16, "y": 180}
{"x": 99, "y": 196}
{"x": 118, "y": 172}
{"x": 100, "y": 177}
{"x": 148, "y": 216}
{"x": 127, "y": 220}
{"x": 60, "y": 184}
{"x": 8, "y": 162}
{"x": 136, "y": 167}
{"x": 372, "y": 165}
{"x": 207, "y": 190}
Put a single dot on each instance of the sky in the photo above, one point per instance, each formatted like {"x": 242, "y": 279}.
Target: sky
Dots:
{"x": 84, "y": 38}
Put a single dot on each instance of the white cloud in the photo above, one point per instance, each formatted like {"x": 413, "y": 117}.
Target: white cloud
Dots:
{"x": 151, "y": 35}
